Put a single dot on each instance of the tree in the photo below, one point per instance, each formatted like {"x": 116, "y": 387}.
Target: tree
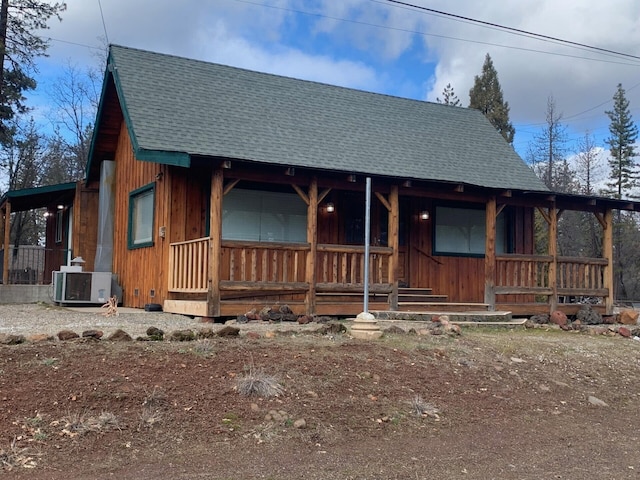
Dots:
{"x": 449, "y": 97}
{"x": 623, "y": 134}
{"x": 19, "y": 47}
{"x": 486, "y": 96}
{"x": 548, "y": 149}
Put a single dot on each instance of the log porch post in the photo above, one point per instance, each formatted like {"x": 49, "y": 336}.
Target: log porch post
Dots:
{"x": 394, "y": 243}
{"x": 5, "y": 243}
{"x": 312, "y": 240}
{"x": 215, "y": 243}
{"x": 490, "y": 254}
{"x": 607, "y": 252}
{"x": 553, "y": 253}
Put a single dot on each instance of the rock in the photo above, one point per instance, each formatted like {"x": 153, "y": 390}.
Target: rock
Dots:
{"x": 394, "y": 329}
{"x": 300, "y": 423}
{"x": 437, "y": 331}
{"x": 228, "y": 331}
{"x": 422, "y": 332}
{"x": 588, "y": 316}
{"x": 270, "y": 334}
{"x": 182, "y": 336}
{"x": 558, "y": 318}
{"x": 253, "y": 316}
{"x": 576, "y": 325}
{"x": 528, "y": 324}
{"x": 624, "y": 331}
{"x": 97, "y": 334}
{"x": 264, "y": 313}
{"x": 233, "y": 321}
{"x": 206, "y": 332}
{"x": 253, "y": 335}
{"x": 304, "y": 319}
{"x": 67, "y": 335}
{"x": 332, "y": 328}
{"x": 597, "y": 402}
{"x": 155, "y": 334}
{"x": 540, "y": 319}
{"x": 323, "y": 319}
{"x": 39, "y": 338}
{"x": 285, "y": 309}
{"x": 120, "y": 336}
{"x": 610, "y": 319}
{"x": 242, "y": 319}
{"x": 453, "y": 330}
{"x": 10, "y": 339}
{"x": 629, "y": 317}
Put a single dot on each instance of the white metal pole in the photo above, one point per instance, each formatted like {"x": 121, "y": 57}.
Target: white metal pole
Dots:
{"x": 367, "y": 240}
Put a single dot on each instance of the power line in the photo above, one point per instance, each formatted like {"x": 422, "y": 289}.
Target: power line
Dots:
{"x": 425, "y": 34}
{"x": 517, "y": 30}
{"x": 104, "y": 25}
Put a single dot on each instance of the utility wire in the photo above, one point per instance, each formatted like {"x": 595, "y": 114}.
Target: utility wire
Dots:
{"x": 516, "y": 30}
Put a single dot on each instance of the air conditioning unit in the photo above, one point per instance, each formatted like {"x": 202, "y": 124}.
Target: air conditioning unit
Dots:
{"x": 81, "y": 287}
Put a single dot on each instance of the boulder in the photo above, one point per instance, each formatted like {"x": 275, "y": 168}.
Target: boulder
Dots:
{"x": 304, "y": 319}
{"x": 558, "y": 318}
{"x": 182, "y": 336}
{"x": 540, "y": 319}
{"x": 253, "y": 335}
{"x": 588, "y": 316}
{"x": 120, "y": 336}
{"x": 155, "y": 334}
{"x": 228, "y": 331}
{"x": 206, "y": 332}
{"x": 97, "y": 334}
{"x": 629, "y": 317}
{"x": 332, "y": 328}
{"x": 67, "y": 335}
{"x": 39, "y": 338}
{"x": 394, "y": 329}
{"x": 10, "y": 339}
{"x": 624, "y": 331}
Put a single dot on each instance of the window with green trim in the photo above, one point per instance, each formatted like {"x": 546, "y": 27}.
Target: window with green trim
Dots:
{"x": 141, "y": 211}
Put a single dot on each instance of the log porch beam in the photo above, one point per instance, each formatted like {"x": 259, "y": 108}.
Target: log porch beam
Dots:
{"x": 215, "y": 242}
{"x": 312, "y": 240}
{"x": 490, "y": 254}
{"x": 394, "y": 243}
{"x": 553, "y": 253}
{"x": 607, "y": 251}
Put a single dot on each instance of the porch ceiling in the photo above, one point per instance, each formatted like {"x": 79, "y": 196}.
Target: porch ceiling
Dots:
{"x": 39, "y": 197}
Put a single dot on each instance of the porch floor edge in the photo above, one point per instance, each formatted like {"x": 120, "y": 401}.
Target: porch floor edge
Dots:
{"x": 455, "y": 317}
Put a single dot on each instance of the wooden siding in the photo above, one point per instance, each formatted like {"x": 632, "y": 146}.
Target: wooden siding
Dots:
{"x": 85, "y": 224}
{"x": 144, "y": 269}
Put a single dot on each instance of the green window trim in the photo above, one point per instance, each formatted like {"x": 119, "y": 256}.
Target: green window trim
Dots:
{"x": 140, "y": 233}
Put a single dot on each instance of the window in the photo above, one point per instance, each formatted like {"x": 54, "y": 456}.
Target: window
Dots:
{"x": 461, "y": 231}
{"x": 262, "y": 216}
{"x": 141, "y": 203}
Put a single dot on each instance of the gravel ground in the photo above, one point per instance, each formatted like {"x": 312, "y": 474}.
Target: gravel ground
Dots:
{"x": 31, "y": 319}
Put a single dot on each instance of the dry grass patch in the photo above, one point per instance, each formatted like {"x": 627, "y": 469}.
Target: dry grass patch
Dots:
{"x": 257, "y": 383}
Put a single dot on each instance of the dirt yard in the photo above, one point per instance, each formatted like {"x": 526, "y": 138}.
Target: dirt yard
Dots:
{"x": 489, "y": 404}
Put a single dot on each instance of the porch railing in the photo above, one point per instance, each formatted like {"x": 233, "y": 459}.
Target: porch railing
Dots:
{"x": 188, "y": 266}
{"x": 274, "y": 265}
{"x": 263, "y": 262}
{"x": 529, "y": 274}
{"x": 343, "y": 265}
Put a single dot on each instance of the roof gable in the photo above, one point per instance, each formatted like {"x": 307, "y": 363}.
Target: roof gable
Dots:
{"x": 176, "y": 108}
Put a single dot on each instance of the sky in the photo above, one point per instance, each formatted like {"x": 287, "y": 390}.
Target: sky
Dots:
{"x": 384, "y": 47}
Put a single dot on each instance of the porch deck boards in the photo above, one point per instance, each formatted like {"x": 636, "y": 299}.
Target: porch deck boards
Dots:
{"x": 470, "y": 316}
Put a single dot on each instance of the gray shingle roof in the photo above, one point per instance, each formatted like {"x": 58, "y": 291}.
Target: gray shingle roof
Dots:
{"x": 176, "y": 104}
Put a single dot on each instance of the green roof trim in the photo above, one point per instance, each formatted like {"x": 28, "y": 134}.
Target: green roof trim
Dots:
{"x": 26, "y": 192}
{"x": 178, "y": 159}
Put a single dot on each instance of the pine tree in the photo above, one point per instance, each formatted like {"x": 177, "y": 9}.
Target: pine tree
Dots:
{"x": 623, "y": 134}
{"x": 486, "y": 96}
{"x": 449, "y": 97}
{"x": 19, "y": 46}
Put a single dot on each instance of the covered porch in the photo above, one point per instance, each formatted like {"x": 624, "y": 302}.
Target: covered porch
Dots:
{"x": 216, "y": 277}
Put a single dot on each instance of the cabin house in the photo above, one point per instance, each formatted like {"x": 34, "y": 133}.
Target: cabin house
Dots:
{"x": 230, "y": 189}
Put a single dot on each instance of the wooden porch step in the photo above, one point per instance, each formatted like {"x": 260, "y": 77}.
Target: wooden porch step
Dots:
{"x": 420, "y": 298}
{"x": 442, "y": 306}
{"x": 414, "y": 291}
